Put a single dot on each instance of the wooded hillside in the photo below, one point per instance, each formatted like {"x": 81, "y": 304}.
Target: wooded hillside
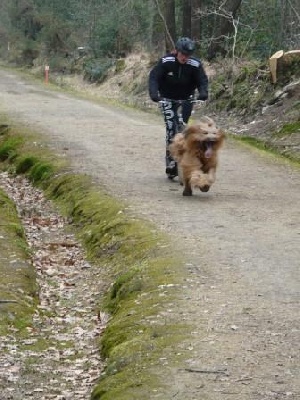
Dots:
{"x": 33, "y": 32}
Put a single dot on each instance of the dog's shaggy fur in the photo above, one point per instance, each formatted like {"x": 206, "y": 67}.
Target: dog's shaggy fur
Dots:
{"x": 196, "y": 152}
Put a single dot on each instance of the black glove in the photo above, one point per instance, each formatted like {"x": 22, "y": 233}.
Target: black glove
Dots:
{"x": 155, "y": 97}
{"x": 202, "y": 95}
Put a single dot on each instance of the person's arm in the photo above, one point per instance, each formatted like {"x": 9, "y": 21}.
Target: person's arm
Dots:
{"x": 202, "y": 83}
{"x": 155, "y": 75}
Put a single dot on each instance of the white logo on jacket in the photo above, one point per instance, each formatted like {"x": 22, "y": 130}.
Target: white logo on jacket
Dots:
{"x": 166, "y": 59}
{"x": 193, "y": 63}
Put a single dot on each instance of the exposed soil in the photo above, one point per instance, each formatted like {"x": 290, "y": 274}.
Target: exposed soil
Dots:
{"x": 241, "y": 240}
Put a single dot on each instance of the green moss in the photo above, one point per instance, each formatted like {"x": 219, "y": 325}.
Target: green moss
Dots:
{"x": 18, "y": 285}
{"x": 19, "y": 150}
{"x": 3, "y": 128}
{"x": 253, "y": 142}
{"x": 41, "y": 171}
{"x": 24, "y": 164}
{"x": 135, "y": 367}
{"x": 288, "y": 129}
{"x": 120, "y": 65}
{"x": 8, "y": 148}
{"x": 126, "y": 284}
{"x": 125, "y": 385}
{"x": 269, "y": 148}
{"x": 104, "y": 227}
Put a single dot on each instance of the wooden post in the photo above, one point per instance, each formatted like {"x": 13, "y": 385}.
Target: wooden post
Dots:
{"x": 273, "y": 62}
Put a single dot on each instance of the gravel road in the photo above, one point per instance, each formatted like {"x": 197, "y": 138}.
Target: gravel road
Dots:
{"x": 241, "y": 240}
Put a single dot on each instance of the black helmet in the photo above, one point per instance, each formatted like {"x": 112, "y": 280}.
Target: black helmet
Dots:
{"x": 185, "y": 45}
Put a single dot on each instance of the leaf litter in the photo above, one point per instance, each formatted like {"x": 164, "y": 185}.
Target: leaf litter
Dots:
{"x": 59, "y": 358}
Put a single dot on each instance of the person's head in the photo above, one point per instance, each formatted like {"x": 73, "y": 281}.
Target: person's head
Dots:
{"x": 185, "y": 47}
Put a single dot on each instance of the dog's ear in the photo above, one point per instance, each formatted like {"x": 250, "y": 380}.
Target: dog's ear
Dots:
{"x": 190, "y": 130}
{"x": 177, "y": 147}
{"x": 207, "y": 120}
{"x": 207, "y": 123}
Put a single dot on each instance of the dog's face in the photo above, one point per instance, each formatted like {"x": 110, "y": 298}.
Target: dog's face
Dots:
{"x": 204, "y": 137}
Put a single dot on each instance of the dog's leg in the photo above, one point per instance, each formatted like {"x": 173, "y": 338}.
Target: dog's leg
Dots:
{"x": 180, "y": 174}
{"x": 203, "y": 181}
{"x": 185, "y": 179}
{"x": 187, "y": 191}
{"x": 200, "y": 180}
{"x": 211, "y": 177}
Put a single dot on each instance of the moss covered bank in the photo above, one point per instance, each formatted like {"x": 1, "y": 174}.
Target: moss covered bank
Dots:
{"x": 141, "y": 269}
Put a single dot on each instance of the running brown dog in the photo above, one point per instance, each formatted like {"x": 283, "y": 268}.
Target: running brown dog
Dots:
{"x": 196, "y": 152}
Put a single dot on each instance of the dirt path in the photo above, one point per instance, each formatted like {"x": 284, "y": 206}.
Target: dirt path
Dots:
{"x": 241, "y": 239}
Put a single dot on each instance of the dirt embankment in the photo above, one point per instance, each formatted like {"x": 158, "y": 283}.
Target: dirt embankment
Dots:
{"x": 242, "y": 97}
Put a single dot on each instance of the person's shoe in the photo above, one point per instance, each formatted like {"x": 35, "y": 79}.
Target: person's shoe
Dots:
{"x": 171, "y": 170}
{"x": 171, "y": 177}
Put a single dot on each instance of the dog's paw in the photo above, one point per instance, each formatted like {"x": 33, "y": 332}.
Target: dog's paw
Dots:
{"x": 204, "y": 188}
{"x": 187, "y": 192}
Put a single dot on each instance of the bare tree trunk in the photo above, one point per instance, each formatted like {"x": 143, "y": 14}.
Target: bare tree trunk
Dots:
{"x": 166, "y": 12}
{"x": 225, "y": 17}
{"x": 195, "y": 19}
{"x": 170, "y": 24}
{"x": 187, "y": 18}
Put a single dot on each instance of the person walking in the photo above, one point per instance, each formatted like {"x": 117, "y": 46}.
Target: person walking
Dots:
{"x": 176, "y": 76}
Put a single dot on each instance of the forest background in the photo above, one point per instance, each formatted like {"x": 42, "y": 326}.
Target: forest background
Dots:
{"x": 33, "y": 32}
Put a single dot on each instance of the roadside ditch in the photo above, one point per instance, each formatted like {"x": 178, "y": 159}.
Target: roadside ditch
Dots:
{"x": 97, "y": 286}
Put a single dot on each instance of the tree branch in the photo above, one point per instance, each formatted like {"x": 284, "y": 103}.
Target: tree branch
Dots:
{"x": 160, "y": 13}
{"x": 294, "y": 9}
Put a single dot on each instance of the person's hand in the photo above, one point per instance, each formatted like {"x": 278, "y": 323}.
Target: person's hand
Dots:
{"x": 155, "y": 97}
{"x": 202, "y": 96}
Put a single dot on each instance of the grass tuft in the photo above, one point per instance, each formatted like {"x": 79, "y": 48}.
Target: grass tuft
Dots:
{"x": 24, "y": 164}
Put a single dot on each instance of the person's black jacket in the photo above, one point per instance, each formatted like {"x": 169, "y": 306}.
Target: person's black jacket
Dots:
{"x": 172, "y": 80}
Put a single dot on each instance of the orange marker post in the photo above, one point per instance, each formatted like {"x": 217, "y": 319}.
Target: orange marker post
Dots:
{"x": 46, "y": 73}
